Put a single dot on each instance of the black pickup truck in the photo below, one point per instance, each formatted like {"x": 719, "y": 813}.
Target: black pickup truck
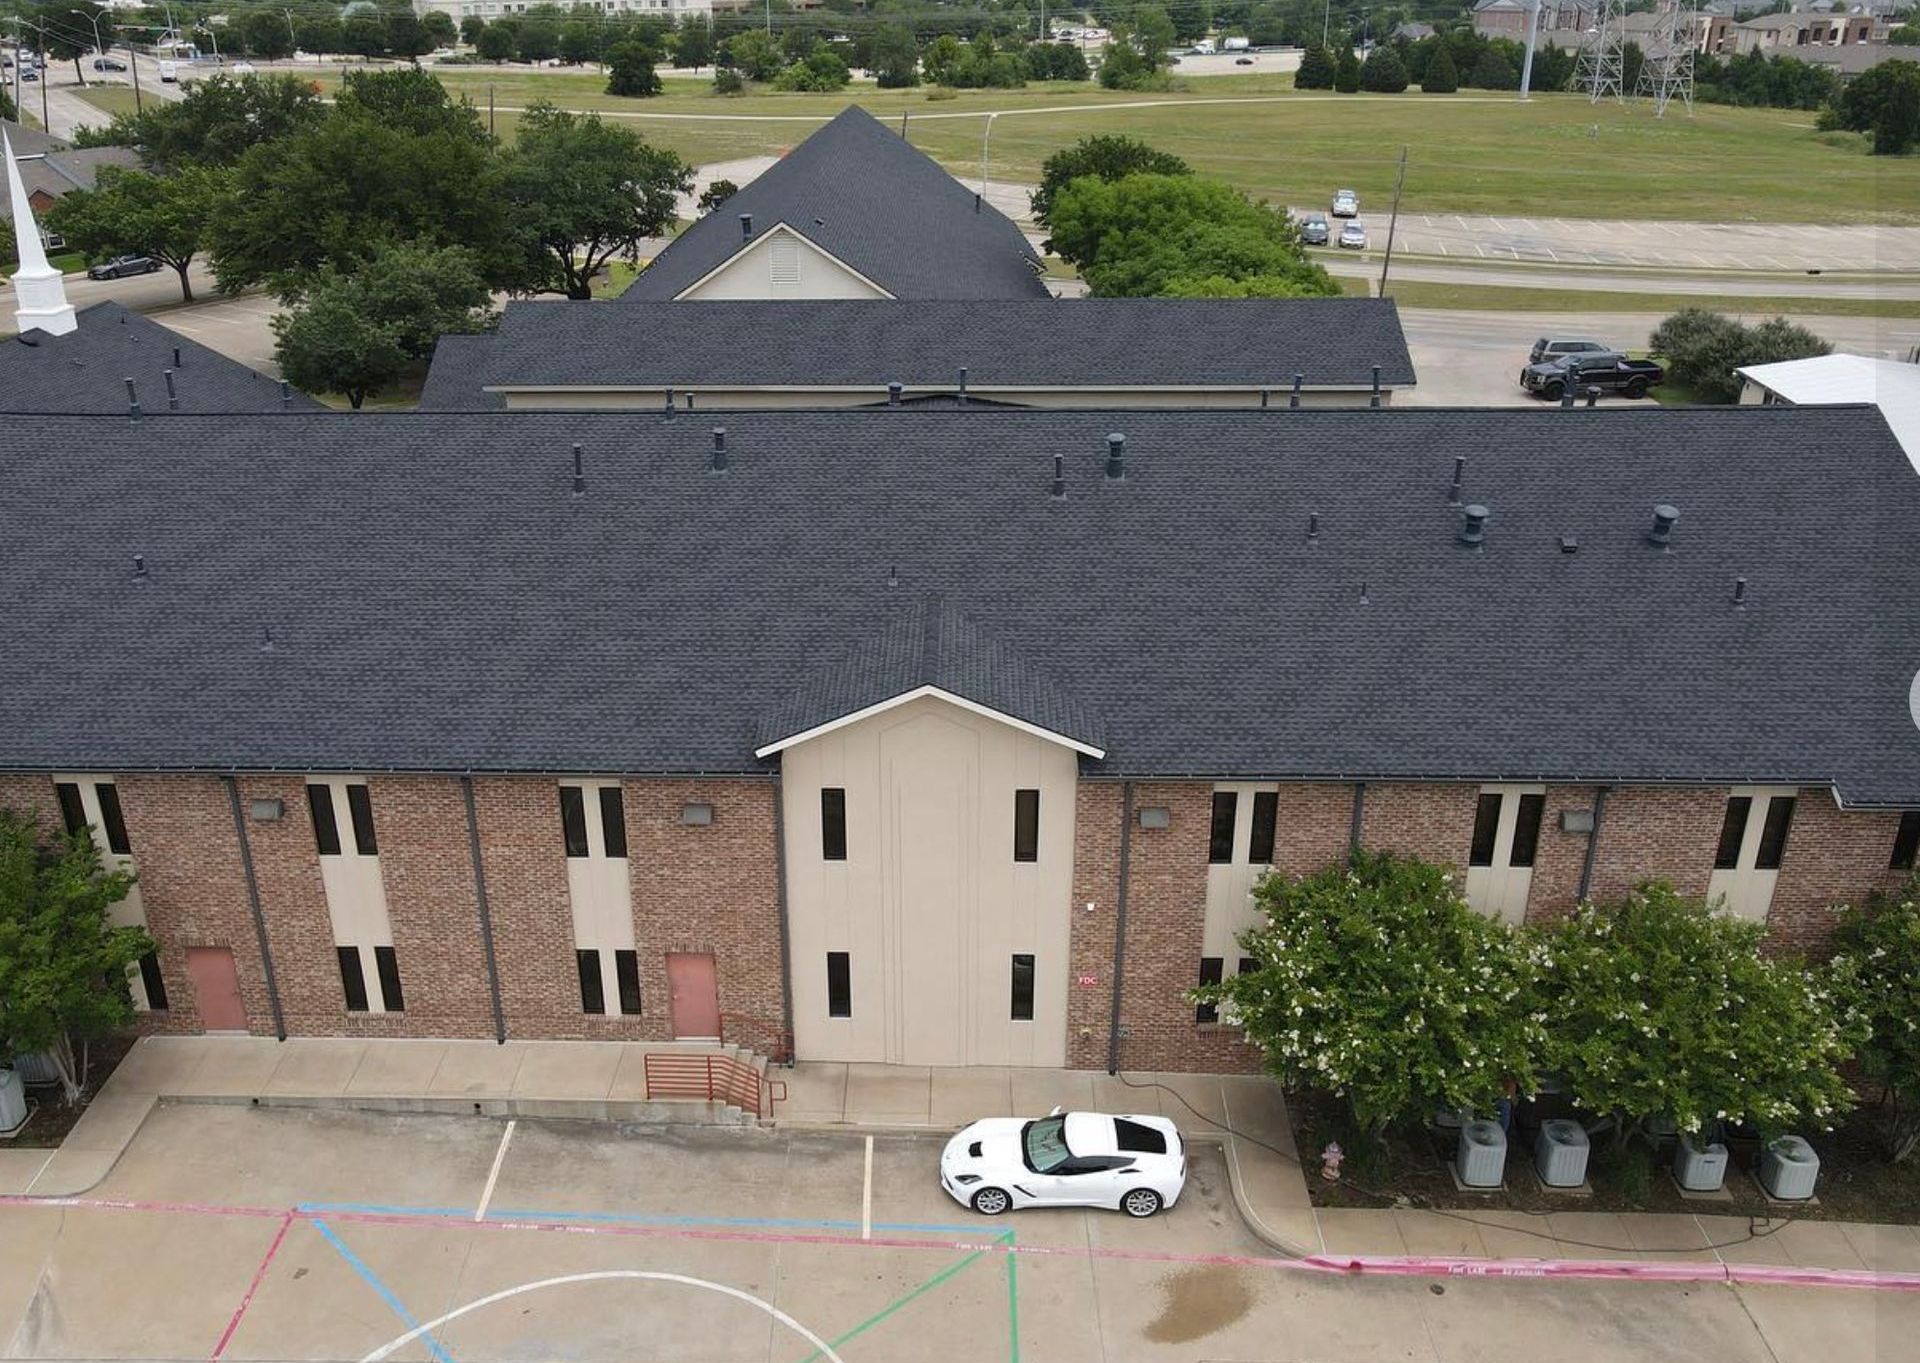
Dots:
{"x": 1606, "y": 370}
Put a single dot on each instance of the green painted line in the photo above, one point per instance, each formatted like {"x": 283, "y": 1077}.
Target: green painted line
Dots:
{"x": 1013, "y": 1301}
{"x": 899, "y": 1302}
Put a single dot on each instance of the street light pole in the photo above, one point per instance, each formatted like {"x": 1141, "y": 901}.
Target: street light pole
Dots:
{"x": 1533, "y": 36}
{"x": 1393, "y": 221}
{"x": 985, "y": 139}
{"x": 98, "y": 47}
{"x": 133, "y": 65}
{"x": 293, "y": 39}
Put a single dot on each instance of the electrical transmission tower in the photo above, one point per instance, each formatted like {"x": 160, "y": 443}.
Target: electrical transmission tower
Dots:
{"x": 1667, "y": 72}
{"x": 1602, "y": 55}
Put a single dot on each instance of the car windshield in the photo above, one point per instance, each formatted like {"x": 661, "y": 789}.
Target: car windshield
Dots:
{"x": 1045, "y": 1144}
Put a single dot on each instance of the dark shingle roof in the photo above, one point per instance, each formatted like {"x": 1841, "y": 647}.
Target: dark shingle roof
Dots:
{"x": 863, "y": 194}
{"x": 87, "y": 370}
{"x": 1124, "y": 342}
{"x": 439, "y": 601}
{"x": 459, "y": 373}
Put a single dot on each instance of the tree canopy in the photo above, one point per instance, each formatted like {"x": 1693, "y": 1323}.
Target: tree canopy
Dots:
{"x": 130, "y": 212}
{"x": 1885, "y": 102}
{"x": 1878, "y": 966}
{"x": 217, "y": 121}
{"x": 1104, "y": 156}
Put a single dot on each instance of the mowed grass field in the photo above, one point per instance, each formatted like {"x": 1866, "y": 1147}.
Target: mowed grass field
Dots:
{"x": 1471, "y": 152}
{"x": 112, "y": 99}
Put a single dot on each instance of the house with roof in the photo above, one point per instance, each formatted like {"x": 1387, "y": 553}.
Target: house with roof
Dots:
{"x": 107, "y": 358}
{"x": 51, "y": 168}
{"x": 1893, "y": 386}
{"x": 1085, "y": 352}
{"x": 855, "y": 211}
{"x": 927, "y": 734}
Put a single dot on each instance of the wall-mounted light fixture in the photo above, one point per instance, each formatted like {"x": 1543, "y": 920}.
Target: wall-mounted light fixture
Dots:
{"x": 266, "y": 811}
{"x": 696, "y": 814}
{"x": 1156, "y": 816}
{"x": 1576, "y": 821}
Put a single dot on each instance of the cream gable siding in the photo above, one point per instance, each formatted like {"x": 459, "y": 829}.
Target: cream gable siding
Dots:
{"x": 929, "y": 904}
{"x": 780, "y": 263}
{"x": 1230, "y": 906}
{"x": 128, "y": 912}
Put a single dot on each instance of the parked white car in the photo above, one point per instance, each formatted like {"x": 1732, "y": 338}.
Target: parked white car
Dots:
{"x": 1133, "y": 1164}
{"x": 1346, "y": 204}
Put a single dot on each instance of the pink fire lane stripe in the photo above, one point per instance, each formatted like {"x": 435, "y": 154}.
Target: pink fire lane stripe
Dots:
{"x": 1386, "y": 1265}
{"x": 259, "y": 1275}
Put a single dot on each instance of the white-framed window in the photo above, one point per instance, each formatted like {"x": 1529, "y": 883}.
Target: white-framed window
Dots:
{"x": 347, "y": 844}
{"x": 593, "y": 834}
{"x": 92, "y": 804}
{"x": 1506, "y": 841}
{"x": 1754, "y": 829}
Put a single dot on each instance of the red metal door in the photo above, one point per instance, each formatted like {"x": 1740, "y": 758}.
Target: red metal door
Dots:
{"x": 695, "y": 989}
{"x": 216, "y": 985}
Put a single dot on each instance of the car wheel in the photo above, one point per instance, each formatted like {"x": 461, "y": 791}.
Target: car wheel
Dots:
{"x": 1636, "y": 388}
{"x": 991, "y": 1201}
{"x": 1552, "y": 392}
{"x": 1141, "y": 1202}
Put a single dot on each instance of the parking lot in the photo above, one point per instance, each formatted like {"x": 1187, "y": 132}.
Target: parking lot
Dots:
{"x": 244, "y": 1233}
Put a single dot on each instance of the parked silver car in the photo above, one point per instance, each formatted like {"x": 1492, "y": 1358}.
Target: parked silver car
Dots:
{"x": 1354, "y": 235}
{"x": 1346, "y": 204}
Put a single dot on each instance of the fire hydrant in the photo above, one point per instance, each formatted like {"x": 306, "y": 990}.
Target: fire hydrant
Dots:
{"x": 1330, "y": 1161}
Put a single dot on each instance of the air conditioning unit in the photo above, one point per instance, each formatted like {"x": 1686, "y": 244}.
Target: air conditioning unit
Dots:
{"x": 1560, "y": 1153}
{"x": 13, "y": 1100}
{"x": 1788, "y": 1169}
{"x": 1700, "y": 1168}
{"x": 1482, "y": 1158}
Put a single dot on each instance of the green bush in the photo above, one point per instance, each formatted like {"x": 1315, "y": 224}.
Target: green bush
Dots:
{"x": 1441, "y": 78}
{"x": 1346, "y": 72}
{"x": 727, "y": 81}
{"x": 821, "y": 71}
{"x": 1702, "y": 349}
{"x": 1316, "y": 70}
{"x": 630, "y": 71}
{"x": 1378, "y": 984}
{"x": 1883, "y": 101}
{"x": 1104, "y": 156}
{"x": 1878, "y": 965}
{"x": 1384, "y": 72}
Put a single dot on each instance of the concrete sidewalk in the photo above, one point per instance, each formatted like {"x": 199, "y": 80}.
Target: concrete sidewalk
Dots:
{"x": 1245, "y": 1115}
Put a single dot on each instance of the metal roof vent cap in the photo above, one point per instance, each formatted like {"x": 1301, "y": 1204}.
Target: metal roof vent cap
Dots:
{"x": 719, "y": 461}
{"x": 893, "y": 393}
{"x": 1473, "y": 525}
{"x": 1459, "y": 475}
{"x": 1664, "y": 516}
{"x": 579, "y": 473}
{"x": 1116, "y": 456}
{"x": 1059, "y": 490}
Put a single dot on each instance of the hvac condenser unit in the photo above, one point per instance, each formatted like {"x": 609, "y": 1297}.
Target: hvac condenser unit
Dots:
{"x": 1560, "y": 1154}
{"x": 1699, "y": 1168}
{"x": 1789, "y": 1169}
{"x": 13, "y": 1100}
{"x": 1482, "y": 1161}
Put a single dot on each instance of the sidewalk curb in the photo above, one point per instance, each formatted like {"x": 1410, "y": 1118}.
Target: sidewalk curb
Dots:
{"x": 1244, "y": 1204}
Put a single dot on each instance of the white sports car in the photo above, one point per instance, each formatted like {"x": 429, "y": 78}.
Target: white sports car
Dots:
{"x": 1072, "y": 1159}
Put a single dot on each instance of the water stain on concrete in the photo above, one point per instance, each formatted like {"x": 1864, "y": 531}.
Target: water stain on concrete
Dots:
{"x": 1195, "y": 1302}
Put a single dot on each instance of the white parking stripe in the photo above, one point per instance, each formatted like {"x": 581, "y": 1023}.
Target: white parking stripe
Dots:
{"x": 493, "y": 1174}
{"x": 866, "y": 1196}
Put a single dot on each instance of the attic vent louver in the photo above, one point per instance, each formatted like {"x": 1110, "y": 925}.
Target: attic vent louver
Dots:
{"x": 1664, "y": 516}
{"x": 1473, "y": 525}
{"x": 1459, "y": 473}
{"x": 579, "y": 474}
{"x": 1116, "y": 456}
{"x": 746, "y": 226}
{"x": 719, "y": 461}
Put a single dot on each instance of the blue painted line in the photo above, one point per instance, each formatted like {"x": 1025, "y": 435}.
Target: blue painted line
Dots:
{"x": 372, "y": 1279}
{"x": 631, "y": 1218}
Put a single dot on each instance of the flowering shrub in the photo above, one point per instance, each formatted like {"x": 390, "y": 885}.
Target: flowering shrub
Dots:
{"x": 1377, "y": 983}
{"x": 1657, "y": 1005}
{"x": 1878, "y": 966}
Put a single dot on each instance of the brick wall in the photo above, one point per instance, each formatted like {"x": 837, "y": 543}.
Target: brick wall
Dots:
{"x": 1832, "y": 858}
{"x": 286, "y": 866}
{"x": 1315, "y": 827}
{"x": 32, "y": 794}
{"x": 1430, "y": 821}
{"x": 1097, "y": 814}
{"x": 1560, "y": 857}
{"x": 526, "y": 864}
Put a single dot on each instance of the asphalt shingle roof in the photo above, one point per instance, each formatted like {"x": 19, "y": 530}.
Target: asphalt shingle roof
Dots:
{"x": 87, "y": 370}
{"x": 862, "y": 193}
{"x": 457, "y": 377}
{"x": 1126, "y": 342}
{"x": 438, "y": 600}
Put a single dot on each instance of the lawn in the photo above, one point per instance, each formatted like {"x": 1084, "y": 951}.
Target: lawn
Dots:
{"x": 1555, "y": 155}
{"x": 111, "y": 99}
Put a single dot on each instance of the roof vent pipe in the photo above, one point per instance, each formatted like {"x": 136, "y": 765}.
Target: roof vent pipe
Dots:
{"x": 1294, "y": 399}
{"x": 133, "y": 402}
{"x": 1313, "y": 526}
{"x": 1566, "y": 392}
{"x": 689, "y": 401}
{"x": 669, "y": 407}
{"x": 1459, "y": 472}
{"x": 1593, "y": 396}
{"x": 176, "y": 357}
{"x": 173, "y": 398}
{"x": 1739, "y": 593}
{"x": 976, "y": 201}
{"x": 893, "y": 393}
{"x": 1661, "y": 536}
{"x": 719, "y": 462}
{"x": 266, "y": 638}
{"x": 1059, "y": 479}
{"x": 893, "y": 575}
{"x": 286, "y": 393}
{"x": 579, "y": 473}
{"x": 1375, "y": 400}
{"x": 963, "y": 385}
{"x": 139, "y": 567}
{"x": 1473, "y": 525}
{"x": 1266, "y": 398}
{"x": 746, "y": 227}
{"x": 1116, "y": 456}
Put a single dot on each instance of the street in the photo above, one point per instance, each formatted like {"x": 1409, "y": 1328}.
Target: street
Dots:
{"x": 255, "y": 1233}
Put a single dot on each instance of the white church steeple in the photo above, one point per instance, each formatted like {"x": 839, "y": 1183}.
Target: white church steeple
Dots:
{"x": 40, "y": 292}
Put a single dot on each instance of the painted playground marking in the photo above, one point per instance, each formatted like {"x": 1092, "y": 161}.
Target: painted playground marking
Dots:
{"x": 822, "y": 1349}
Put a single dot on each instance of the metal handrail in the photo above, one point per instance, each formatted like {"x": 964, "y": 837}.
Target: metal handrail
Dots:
{"x": 714, "y": 1078}
{"x": 764, "y": 1035}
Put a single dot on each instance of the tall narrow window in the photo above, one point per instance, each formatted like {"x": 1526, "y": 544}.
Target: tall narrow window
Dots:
{"x": 613, "y": 821}
{"x": 593, "y": 996}
{"x": 387, "y": 966}
{"x": 1266, "y": 818}
{"x": 112, "y": 822}
{"x": 156, "y": 985}
{"x": 326, "y": 832}
{"x": 352, "y": 980}
{"x": 839, "y": 985}
{"x": 1733, "y": 832}
{"x": 1248, "y": 965}
{"x": 1486, "y": 828}
{"x": 1226, "y": 807}
{"x": 1210, "y": 969}
{"x": 1026, "y": 825}
{"x": 361, "y": 809}
{"x": 1773, "y": 834}
{"x": 833, "y": 827}
{"x": 1022, "y": 988}
{"x": 626, "y": 974}
{"x": 72, "y": 811}
{"x": 1906, "y": 842}
{"x": 573, "y": 820}
{"x": 1526, "y": 830}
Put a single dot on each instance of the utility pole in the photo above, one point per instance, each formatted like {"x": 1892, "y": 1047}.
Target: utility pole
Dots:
{"x": 293, "y": 38}
{"x": 769, "y": 18}
{"x": 1533, "y": 36}
{"x": 98, "y": 46}
{"x": 1399, "y": 180}
{"x": 1326, "y": 24}
{"x": 985, "y": 138}
{"x": 489, "y": 108}
{"x": 133, "y": 65}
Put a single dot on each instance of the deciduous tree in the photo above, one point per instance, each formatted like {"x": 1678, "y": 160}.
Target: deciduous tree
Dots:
{"x": 1878, "y": 967}
{"x": 1104, "y": 156}
{"x": 130, "y": 212}
{"x": 630, "y": 72}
